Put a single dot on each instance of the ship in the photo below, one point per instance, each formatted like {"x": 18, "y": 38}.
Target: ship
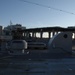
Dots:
{"x": 17, "y": 41}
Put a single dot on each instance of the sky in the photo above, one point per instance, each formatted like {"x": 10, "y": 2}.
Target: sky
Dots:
{"x": 35, "y": 16}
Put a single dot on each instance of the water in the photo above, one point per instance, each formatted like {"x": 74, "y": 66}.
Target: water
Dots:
{"x": 65, "y": 66}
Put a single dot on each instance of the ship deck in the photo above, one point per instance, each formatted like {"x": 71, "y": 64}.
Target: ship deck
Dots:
{"x": 64, "y": 66}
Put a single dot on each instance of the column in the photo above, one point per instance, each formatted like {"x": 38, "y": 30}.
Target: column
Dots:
{"x": 41, "y": 33}
{"x": 74, "y": 35}
{"x": 53, "y": 33}
{"x": 49, "y": 34}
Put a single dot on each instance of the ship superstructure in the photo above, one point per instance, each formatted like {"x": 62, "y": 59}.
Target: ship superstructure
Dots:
{"x": 47, "y": 40}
